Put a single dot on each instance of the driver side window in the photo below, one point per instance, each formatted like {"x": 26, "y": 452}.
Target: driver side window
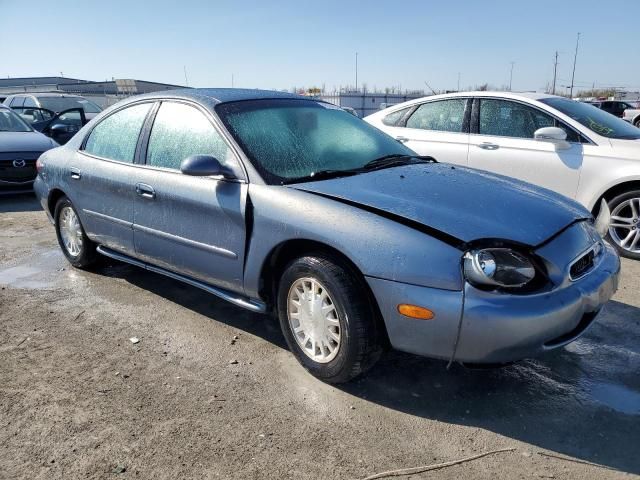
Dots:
{"x": 180, "y": 131}
{"x": 504, "y": 118}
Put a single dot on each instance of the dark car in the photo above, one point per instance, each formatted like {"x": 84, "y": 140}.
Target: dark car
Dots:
{"x": 20, "y": 147}
{"x": 614, "y": 107}
{"x": 39, "y": 110}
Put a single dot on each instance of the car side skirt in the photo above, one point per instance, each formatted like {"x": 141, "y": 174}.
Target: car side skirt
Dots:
{"x": 244, "y": 302}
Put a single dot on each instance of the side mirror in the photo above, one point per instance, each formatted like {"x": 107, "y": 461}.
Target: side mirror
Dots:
{"x": 554, "y": 135}
{"x": 205, "y": 166}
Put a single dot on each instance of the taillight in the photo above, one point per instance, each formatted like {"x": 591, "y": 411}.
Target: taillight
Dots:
{"x": 39, "y": 166}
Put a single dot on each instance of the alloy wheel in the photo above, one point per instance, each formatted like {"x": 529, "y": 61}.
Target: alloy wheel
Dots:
{"x": 623, "y": 228}
{"x": 70, "y": 231}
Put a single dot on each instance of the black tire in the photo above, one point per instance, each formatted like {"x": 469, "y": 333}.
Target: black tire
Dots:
{"x": 87, "y": 255}
{"x": 360, "y": 342}
{"x": 613, "y": 203}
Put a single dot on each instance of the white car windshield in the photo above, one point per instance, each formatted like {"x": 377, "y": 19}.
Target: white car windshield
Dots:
{"x": 594, "y": 119}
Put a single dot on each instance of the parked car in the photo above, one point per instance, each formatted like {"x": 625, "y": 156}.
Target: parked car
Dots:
{"x": 632, "y": 115}
{"x": 614, "y": 107}
{"x": 281, "y": 203}
{"x": 71, "y": 112}
{"x": 54, "y": 102}
{"x": 573, "y": 148}
{"x": 20, "y": 147}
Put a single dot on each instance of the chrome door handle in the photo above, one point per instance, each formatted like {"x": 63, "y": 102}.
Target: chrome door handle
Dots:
{"x": 489, "y": 146}
{"x": 75, "y": 173}
{"x": 402, "y": 139}
{"x": 145, "y": 190}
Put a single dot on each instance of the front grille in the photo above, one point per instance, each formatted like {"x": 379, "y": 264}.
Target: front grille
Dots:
{"x": 11, "y": 173}
{"x": 582, "y": 265}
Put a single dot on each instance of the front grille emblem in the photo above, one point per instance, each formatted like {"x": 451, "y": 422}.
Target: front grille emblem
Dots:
{"x": 19, "y": 163}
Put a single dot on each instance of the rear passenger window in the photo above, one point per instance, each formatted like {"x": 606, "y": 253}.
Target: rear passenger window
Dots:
{"x": 30, "y": 102}
{"x": 116, "y": 136}
{"x": 443, "y": 116}
{"x": 180, "y": 131}
{"x": 17, "y": 101}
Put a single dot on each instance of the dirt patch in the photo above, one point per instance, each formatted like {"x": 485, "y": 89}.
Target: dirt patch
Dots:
{"x": 78, "y": 399}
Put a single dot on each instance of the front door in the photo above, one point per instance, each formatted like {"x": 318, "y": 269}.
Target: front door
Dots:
{"x": 504, "y": 144}
{"x": 437, "y": 129}
{"x": 190, "y": 225}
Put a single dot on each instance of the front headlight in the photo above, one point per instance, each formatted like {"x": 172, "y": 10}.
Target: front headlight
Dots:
{"x": 498, "y": 267}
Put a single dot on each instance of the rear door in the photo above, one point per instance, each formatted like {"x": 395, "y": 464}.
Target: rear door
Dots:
{"x": 101, "y": 177}
{"x": 190, "y": 225}
{"x": 503, "y": 143}
{"x": 439, "y": 129}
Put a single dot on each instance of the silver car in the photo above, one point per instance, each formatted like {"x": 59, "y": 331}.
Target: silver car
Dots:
{"x": 284, "y": 204}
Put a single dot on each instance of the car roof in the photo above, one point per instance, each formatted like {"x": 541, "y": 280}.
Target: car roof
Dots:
{"x": 514, "y": 95}
{"x": 222, "y": 95}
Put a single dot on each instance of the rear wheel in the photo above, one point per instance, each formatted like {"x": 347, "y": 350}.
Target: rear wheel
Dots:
{"x": 327, "y": 318}
{"x": 76, "y": 246}
{"x": 637, "y": 123}
{"x": 625, "y": 221}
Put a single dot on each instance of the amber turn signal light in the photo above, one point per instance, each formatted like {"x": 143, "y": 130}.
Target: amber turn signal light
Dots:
{"x": 414, "y": 311}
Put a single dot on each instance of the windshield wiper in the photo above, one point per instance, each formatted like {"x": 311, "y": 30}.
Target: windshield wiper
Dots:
{"x": 393, "y": 160}
{"x": 322, "y": 175}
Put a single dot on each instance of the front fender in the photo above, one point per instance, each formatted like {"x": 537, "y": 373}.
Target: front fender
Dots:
{"x": 379, "y": 247}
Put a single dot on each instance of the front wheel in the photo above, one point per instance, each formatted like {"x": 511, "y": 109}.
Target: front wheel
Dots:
{"x": 625, "y": 221}
{"x": 327, "y": 318}
{"x": 76, "y": 246}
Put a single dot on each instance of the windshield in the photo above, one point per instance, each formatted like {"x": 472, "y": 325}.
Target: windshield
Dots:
{"x": 11, "y": 122}
{"x": 59, "y": 104}
{"x": 289, "y": 138}
{"x": 594, "y": 119}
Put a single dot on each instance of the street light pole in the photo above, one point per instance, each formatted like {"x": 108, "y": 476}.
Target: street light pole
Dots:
{"x": 511, "y": 74}
{"x": 575, "y": 57}
{"x": 356, "y": 71}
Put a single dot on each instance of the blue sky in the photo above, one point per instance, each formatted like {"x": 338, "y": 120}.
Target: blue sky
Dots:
{"x": 282, "y": 44}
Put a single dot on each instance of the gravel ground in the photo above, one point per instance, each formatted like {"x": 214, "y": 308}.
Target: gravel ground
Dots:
{"x": 79, "y": 400}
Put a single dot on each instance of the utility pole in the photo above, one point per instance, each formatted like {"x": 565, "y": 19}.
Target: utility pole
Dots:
{"x": 511, "y": 74}
{"x": 356, "y": 71}
{"x": 555, "y": 71}
{"x": 232, "y": 80}
{"x": 458, "y": 81}
{"x": 186, "y": 80}
{"x": 575, "y": 57}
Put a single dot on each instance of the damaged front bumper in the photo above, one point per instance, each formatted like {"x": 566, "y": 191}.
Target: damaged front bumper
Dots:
{"x": 476, "y": 326}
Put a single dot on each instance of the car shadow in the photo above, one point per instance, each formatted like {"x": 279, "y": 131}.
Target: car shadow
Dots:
{"x": 22, "y": 202}
{"x": 582, "y": 400}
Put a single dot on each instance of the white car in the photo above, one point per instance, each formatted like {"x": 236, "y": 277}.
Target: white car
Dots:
{"x": 573, "y": 148}
{"x": 632, "y": 115}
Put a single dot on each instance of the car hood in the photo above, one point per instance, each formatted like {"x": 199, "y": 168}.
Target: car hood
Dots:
{"x": 24, "y": 142}
{"x": 462, "y": 203}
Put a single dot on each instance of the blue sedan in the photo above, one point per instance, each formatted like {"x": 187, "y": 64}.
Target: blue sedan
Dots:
{"x": 284, "y": 204}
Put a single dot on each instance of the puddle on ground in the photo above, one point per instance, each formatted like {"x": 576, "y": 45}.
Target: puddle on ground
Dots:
{"x": 617, "y": 397}
{"x": 40, "y": 270}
